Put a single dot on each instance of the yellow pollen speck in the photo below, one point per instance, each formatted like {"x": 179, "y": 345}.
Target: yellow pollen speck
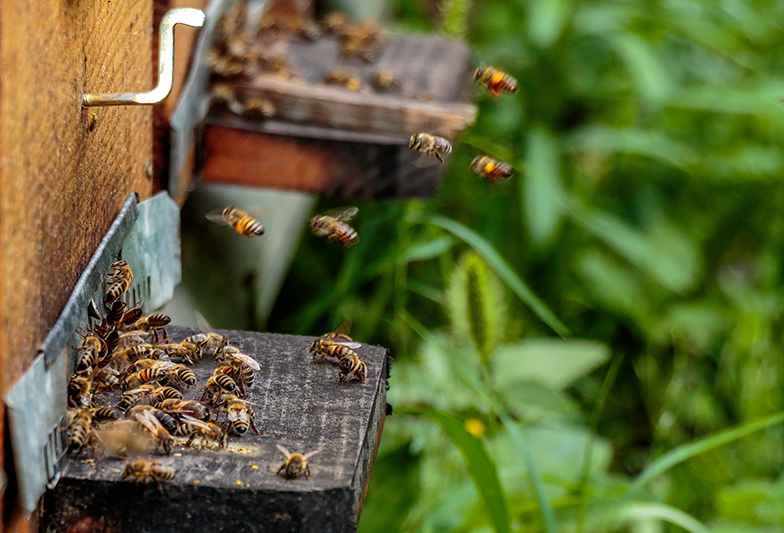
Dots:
{"x": 177, "y": 455}
{"x": 255, "y": 467}
{"x": 115, "y": 471}
{"x": 247, "y": 484}
{"x": 239, "y": 482}
{"x": 475, "y": 427}
{"x": 195, "y": 481}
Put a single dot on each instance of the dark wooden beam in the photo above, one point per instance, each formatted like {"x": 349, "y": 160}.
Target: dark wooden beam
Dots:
{"x": 299, "y": 405}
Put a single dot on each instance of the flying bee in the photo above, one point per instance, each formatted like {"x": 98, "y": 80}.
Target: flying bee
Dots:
{"x": 242, "y": 222}
{"x": 79, "y": 429}
{"x": 208, "y": 431}
{"x": 79, "y": 390}
{"x": 240, "y": 415}
{"x": 384, "y": 81}
{"x": 352, "y": 365}
{"x": 490, "y": 169}
{"x": 148, "y": 419}
{"x": 346, "y": 77}
{"x": 296, "y": 464}
{"x": 142, "y": 394}
{"x": 144, "y": 471}
{"x": 335, "y": 226}
{"x": 185, "y": 407}
{"x": 495, "y": 81}
{"x": 430, "y": 145}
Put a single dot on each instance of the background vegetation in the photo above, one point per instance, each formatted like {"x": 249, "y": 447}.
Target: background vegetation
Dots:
{"x": 596, "y": 344}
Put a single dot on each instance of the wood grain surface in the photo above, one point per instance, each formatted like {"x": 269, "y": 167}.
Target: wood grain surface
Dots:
{"x": 298, "y": 404}
{"x": 63, "y": 174}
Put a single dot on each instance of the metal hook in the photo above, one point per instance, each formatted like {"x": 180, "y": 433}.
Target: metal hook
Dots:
{"x": 180, "y": 15}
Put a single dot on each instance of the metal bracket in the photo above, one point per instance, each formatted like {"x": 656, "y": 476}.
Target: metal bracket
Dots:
{"x": 148, "y": 236}
{"x": 180, "y": 15}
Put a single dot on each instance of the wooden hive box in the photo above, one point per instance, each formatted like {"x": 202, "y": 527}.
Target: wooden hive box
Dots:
{"x": 299, "y": 405}
{"x": 330, "y": 140}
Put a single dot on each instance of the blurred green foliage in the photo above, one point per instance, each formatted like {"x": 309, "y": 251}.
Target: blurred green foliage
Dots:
{"x": 644, "y": 227}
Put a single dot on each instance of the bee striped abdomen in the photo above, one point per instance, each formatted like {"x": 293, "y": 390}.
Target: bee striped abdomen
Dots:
{"x": 347, "y": 235}
{"x": 490, "y": 169}
{"x": 495, "y": 80}
{"x": 249, "y": 226}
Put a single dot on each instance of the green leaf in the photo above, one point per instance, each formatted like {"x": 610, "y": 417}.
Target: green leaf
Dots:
{"x": 553, "y": 363}
{"x": 542, "y": 190}
{"x": 478, "y": 463}
{"x": 546, "y": 20}
{"x": 646, "y": 70}
{"x": 504, "y": 271}
{"x": 426, "y": 250}
{"x": 645, "y": 511}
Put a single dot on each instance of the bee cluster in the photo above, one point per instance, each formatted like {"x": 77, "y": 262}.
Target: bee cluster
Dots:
{"x": 121, "y": 349}
{"x": 338, "y": 346}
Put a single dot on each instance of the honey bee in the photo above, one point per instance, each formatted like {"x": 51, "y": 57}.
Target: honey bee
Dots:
{"x": 336, "y": 23}
{"x": 149, "y": 419}
{"x": 115, "y": 313}
{"x": 335, "y": 227}
{"x": 223, "y": 95}
{"x": 240, "y": 415}
{"x": 144, "y": 376}
{"x": 217, "y": 384}
{"x": 144, "y": 471}
{"x": 151, "y": 322}
{"x": 208, "y": 431}
{"x": 208, "y": 342}
{"x": 79, "y": 394}
{"x": 242, "y": 222}
{"x": 345, "y": 77}
{"x": 104, "y": 414}
{"x": 490, "y": 169}
{"x": 142, "y": 394}
{"x": 335, "y": 344}
{"x": 384, "y": 81}
{"x": 188, "y": 407}
{"x": 242, "y": 367}
{"x": 107, "y": 378}
{"x": 92, "y": 350}
{"x": 131, "y": 315}
{"x": 495, "y": 81}
{"x": 362, "y": 41}
{"x": 259, "y": 108}
{"x": 165, "y": 393}
{"x": 181, "y": 376}
{"x": 119, "y": 280}
{"x": 352, "y": 365}
{"x": 296, "y": 464}
{"x": 430, "y": 145}
{"x": 80, "y": 429}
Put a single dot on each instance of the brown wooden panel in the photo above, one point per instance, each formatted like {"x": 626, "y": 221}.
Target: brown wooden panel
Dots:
{"x": 63, "y": 176}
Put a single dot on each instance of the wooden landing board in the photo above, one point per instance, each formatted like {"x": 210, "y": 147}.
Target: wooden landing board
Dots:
{"x": 330, "y": 140}
{"x": 299, "y": 405}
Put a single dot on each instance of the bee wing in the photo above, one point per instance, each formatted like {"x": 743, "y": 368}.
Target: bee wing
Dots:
{"x": 344, "y": 214}
{"x": 247, "y": 360}
{"x": 146, "y": 419}
{"x": 344, "y": 328}
{"x": 283, "y": 450}
{"x": 216, "y": 216}
{"x": 310, "y": 454}
{"x": 195, "y": 421}
{"x": 163, "y": 365}
{"x": 350, "y": 344}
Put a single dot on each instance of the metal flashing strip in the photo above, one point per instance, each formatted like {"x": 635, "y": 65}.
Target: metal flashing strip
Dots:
{"x": 148, "y": 236}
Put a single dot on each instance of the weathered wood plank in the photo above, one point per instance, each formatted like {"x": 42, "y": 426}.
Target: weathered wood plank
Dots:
{"x": 63, "y": 178}
{"x": 299, "y": 405}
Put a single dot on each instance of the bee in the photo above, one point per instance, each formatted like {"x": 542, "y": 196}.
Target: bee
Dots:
{"x": 430, "y": 145}
{"x": 223, "y": 95}
{"x": 209, "y": 342}
{"x": 336, "y": 23}
{"x": 151, "y": 322}
{"x": 240, "y": 415}
{"x": 79, "y": 394}
{"x": 165, "y": 393}
{"x": 490, "y": 169}
{"x": 242, "y": 222}
{"x": 107, "y": 378}
{"x": 296, "y": 464}
{"x": 208, "y": 431}
{"x": 242, "y": 367}
{"x": 217, "y": 384}
{"x": 131, "y": 315}
{"x": 92, "y": 351}
{"x": 166, "y": 419}
{"x": 259, "y": 108}
{"x": 115, "y": 313}
{"x": 384, "y": 81}
{"x": 181, "y": 376}
{"x": 144, "y": 376}
{"x": 80, "y": 429}
{"x": 144, "y": 471}
{"x": 142, "y": 394}
{"x": 335, "y": 344}
{"x": 149, "y": 419}
{"x": 104, "y": 414}
{"x": 336, "y": 226}
{"x": 361, "y": 40}
{"x": 495, "y": 81}
{"x": 119, "y": 280}
{"x": 352, "y": 365}
{"x": 136, "y": 357}
{"x": 345, "y": 77}
{"x": 189, "y": 407}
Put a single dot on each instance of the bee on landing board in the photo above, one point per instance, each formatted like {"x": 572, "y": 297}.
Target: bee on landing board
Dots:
{"x": 242, "y": 222}
{"x": 144, "y": 471}
{"x": 430, "y": 145}
{"x": 384, "y": 81}
{"x": 334, "y": 226}
{"x": 495, "y": 81}
{"x": 296, "y": 464}
{"x": 346, "y": 77}
{"x": 491, "y": 169}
